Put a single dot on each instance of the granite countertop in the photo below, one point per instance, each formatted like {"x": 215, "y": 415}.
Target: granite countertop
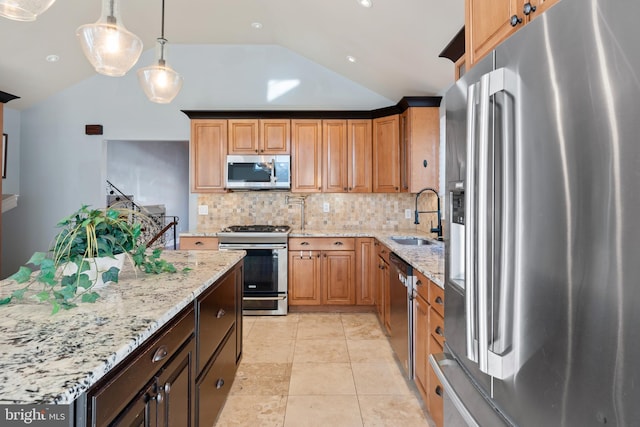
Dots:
{"x": 55, "y": 358}
{"x": 429, "y": 259}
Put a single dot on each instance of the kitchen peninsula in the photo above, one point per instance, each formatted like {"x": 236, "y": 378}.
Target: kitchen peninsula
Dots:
{"x": 80, "y": 357}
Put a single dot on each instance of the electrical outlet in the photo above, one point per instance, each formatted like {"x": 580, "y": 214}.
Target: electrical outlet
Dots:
{"x": 203, "y": 209}
{"x": 407, "y": 213}
{"x": 325, "y": 207}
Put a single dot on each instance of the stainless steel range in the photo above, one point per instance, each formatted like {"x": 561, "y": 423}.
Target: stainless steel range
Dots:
{"x": 265, "y": 266}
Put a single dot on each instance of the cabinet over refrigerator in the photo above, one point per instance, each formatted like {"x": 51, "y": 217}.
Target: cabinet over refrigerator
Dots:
{"x": 542, "y": 171}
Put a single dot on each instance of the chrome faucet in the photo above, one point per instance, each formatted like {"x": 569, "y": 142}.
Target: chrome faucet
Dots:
{"x": 297, "y": 200}
{"x": 437, "y": 229}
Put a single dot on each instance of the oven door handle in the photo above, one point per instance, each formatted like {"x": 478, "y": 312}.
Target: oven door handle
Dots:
{"x": 244, "y": 246}
{"x": 278, "y": 298}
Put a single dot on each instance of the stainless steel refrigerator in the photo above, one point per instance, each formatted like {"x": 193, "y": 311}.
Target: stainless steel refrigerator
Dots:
{"x": 542, "y": 288}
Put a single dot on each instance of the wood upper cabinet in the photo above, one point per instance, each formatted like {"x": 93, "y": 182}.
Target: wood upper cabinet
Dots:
{"x": 258, "y": 136}
{"x": 334, "y": 156}
{"x": 386, "y": 154}
{"x": 306, "y": 156}
{"x": 208, "y": 154}
{"x": 420, "y": 153}
{"x": 359, "y": 156}
{"x": 489, "y": 22}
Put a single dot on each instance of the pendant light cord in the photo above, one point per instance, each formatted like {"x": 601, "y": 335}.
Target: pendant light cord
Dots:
{"x": 162, "y": 40}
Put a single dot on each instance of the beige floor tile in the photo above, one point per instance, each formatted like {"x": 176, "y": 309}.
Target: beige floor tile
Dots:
{"x": 321, "y": 351}
{"x": 386, "y": 411}
{"x": 370, "y": 351}
{"x": 379, "y": 378}
{"x": 289, "y": 318}
{"x": 254, "y": 411}
{"x": 321, "y": 379}
{"x": 269, "y": 331}
{"x": 320, "y": 326}
{"x": 323, "y": 411}
{"x": 275, "y": 351}
{"x": 263, "y": 379}
{"x": 362, "y": 326}
{"x": 247, "y": 324}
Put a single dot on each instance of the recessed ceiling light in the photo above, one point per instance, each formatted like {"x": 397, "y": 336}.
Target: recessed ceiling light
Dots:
{"x": 351, "y": 58}
{"x": 256, "y": 25}
{"x": 365, "y": 3}
{"x": 52, "y": 58}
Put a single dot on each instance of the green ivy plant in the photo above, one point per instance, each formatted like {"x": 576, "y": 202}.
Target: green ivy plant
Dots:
{"x": 86, "y": 234}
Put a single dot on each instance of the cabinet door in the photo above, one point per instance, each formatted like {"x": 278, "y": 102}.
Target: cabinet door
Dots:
{"x": 142, "y": 412}
{"x": 380, "y": 289}
{"x": 422, "y": 346}
{"x": 488, "y": 22}
{"x": 334, "y": 156}
{"x": 365, "y": 271}
{"x": 176, "y": 389}
{"x": 243, "y": 136}
{"x": 306, "y": 155}
{"x": 359, "y": 147}
{"x": 208, "y": 155}
{"x": 386, "y": 154}
{"x": 304, "y": 277}
{"x": 275, "y": 136}
{"x": 421, "y": 141}
{"x": 338, "y": 281}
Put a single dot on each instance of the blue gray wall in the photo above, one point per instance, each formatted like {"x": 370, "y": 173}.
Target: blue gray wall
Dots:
{"x": 62, "y": 168}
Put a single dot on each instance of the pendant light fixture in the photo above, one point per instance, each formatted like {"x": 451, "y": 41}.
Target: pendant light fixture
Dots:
{"x": 23, "y": 10}
{"x": 159, "y": 81}
{"x": 107, "y": 44}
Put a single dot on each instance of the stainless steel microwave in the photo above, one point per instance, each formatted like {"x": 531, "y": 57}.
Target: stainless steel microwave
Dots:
{"x": 252, "y": 172}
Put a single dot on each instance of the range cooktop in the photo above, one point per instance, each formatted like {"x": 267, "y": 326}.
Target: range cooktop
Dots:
{"x": 258, "y": 228}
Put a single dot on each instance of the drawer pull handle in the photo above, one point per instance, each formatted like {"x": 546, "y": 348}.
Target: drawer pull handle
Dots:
{"x": 167, "y": 388}
{"x": 160, "y": 354}
{"x": 439, "y": 391}
{"x": 159, "y": 398}
{"x": 199, "y": 243}
{"x": 338, "y": 243}
{"x": 439, "y": 301}
{"x": 220, "y": 313}
{"x": 439, "y": 331}
{"x": 219, "y": 383}
{"x": 304, "y": 244}
{"x": 419, "y": 283}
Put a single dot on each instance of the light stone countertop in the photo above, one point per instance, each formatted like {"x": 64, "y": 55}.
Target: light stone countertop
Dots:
{"x": 429, "y": 259}
{"x": 55, "y": 358}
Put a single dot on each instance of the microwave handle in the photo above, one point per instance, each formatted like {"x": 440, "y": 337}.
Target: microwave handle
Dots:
{"x": 273, "y": 170}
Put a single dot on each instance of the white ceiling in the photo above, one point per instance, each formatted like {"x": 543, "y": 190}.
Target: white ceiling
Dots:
{"x": 396, "y": 42}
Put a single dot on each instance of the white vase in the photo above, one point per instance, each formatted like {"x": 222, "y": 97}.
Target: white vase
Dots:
{"x": 97, "y": 266}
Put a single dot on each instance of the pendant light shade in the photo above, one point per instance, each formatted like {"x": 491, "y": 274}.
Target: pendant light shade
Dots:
{"x": 107, "y": 44}
{"x": 23, "y": 10}
{"x": 159, "y": 81}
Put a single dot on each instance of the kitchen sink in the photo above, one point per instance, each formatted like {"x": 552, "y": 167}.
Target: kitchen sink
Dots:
{"x": 411, "y": 241}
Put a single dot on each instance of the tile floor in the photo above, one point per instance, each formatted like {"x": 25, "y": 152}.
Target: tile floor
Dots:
{"x": 319, "y": 369}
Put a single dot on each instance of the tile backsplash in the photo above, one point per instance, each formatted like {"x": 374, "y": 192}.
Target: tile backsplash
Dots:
{"x": 346, "y": 211}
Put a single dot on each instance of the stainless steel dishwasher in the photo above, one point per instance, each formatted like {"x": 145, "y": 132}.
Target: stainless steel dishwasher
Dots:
{"x": 401, "y": 286}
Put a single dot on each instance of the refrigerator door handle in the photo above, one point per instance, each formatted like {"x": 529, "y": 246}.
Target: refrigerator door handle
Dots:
{"x": 470, "y": 227}
{"x": 494, "y": 348}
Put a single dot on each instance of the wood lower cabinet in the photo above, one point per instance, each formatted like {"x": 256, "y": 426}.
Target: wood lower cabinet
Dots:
{"x": 208, "y": 155}
{"x": 199, "y": 243}
{"x": 386, "y": 154}
{"x": 429, "y": 339}
{"x": 322, "y": 271}
{"x": 366, "y": 261}
{"x": 383, "y": 300}
{"x": 182, "y": 374}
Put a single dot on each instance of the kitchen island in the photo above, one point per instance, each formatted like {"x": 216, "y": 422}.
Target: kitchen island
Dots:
{"x": 56, "y": 359}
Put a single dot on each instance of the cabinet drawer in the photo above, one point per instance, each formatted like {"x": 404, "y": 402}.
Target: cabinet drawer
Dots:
{"x": 216, "y": 316}
{"x": 436, "y": 325}
{"x": 322, "y": 244}
{"x": 436, "y": 298}
{"x": 193, "y": 242}
{"x": 110, "y": 397}
{"x": 383, "y": 251}
{"x": 212, "y": 389}
{"x": 422, "y": 285}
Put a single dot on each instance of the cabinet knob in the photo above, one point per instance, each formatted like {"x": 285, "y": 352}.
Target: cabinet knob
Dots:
{"x": 425, "y": 163}
{"x": 220, "y": 313}
{"x": 439, "y": 331}
{"x": 219, "y": 383}
{"x": 515, "y": 20}
{"x": 528, "y": 8}
{"x": 159, "y": 397}
{"x": 167, "y": 387}
{"x": 438, "y": 391}
{"x": 439, "y": 301}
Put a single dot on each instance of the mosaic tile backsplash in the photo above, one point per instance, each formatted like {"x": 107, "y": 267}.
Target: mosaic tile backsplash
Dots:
{"x": 346, "y": 211}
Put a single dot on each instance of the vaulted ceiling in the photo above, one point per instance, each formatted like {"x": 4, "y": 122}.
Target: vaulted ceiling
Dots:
{"x": 396, "y": 43}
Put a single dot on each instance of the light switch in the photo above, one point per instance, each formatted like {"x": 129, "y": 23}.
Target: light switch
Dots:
{"x": 407, "y": 213}
{"x": 203, "y": 209}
